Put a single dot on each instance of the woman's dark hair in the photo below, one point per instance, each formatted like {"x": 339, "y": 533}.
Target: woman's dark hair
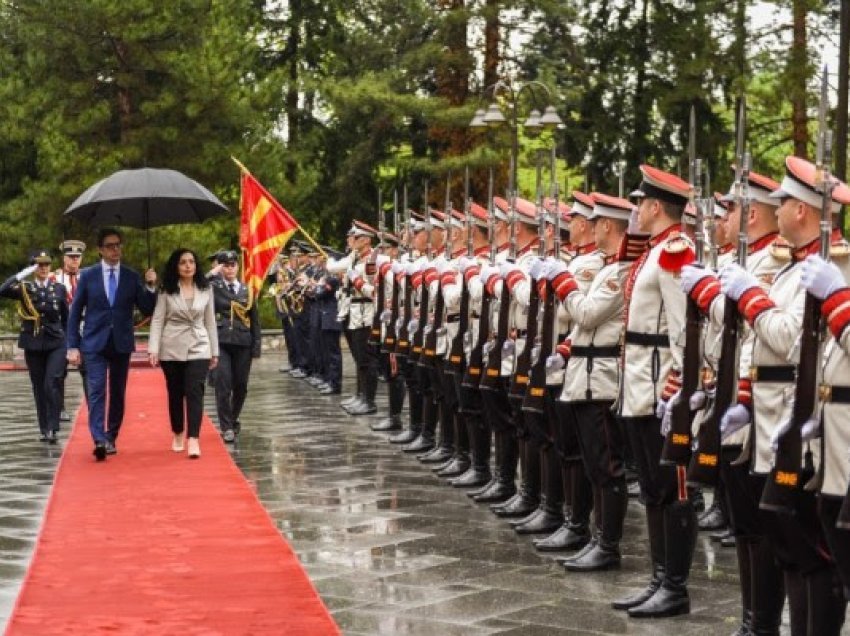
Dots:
{"x": 171, "y": 275}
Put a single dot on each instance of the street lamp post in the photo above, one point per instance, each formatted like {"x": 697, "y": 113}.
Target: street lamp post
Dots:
{"x": 493, "y": 117}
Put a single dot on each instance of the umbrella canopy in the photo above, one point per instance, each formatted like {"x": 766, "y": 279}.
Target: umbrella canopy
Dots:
{"x": 145, "y": 198}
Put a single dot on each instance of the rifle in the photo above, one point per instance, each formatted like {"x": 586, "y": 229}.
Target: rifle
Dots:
{"x": 472, "y": 377}
{"x": 455, "y": 357}
{"x": 429, "y": 357}
{"x": 381, "y": 295}
{"x": 780, "y": 491}
{"x": 534, "y": 400}
{"x": 402, "y": 347}
{"x": 705, "y": 462}
{"x": 492, "y": 375}
{"x": 519, "y": 381}
{"x": 388, "y": 345}
{"x": 422, "y": 321}
{"x": 677, "y": 444}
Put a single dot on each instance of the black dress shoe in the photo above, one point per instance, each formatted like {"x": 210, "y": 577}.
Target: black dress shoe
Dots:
{"x": 721, "y": 534}
{"x": 728, "y": 541}
{"x": 364, "y": 408}
{"x": 391, "y": 423}
{"x": 502, "y": 491}
{"x": 520, "y": 506}
{"x": 439, "y": 455}
{"x": 52, "y": 438}
{"x": 596, "y": 559}
{"x": 329, "y": 390}
{"x": 472, "y": 478}
{"x": 404, "y": 437}
{"x": 456, "y": 467}
{"x": 634, "y": 600}
{"x": 544, "y": 522}
{"x": 713, "y": 518}
{"x": 237, "y": 426}
{"x": 419, "y": 445}
{"x": 110, "y": 448}
{"x": 633, "y": 489}
{"x": 64, "y": 417}
{"x": 487, "y": 485}
{"x": 321, "y": 386}
{"x": 42, "y": 437}
{"x": 99, "y": 452}
{"x": 664, "y": 602}
{"x": 566, "y": 537}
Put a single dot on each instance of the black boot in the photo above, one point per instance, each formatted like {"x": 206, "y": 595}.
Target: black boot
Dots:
{"x": 714, "y": 518}
{"x": 680, "y": 533}
{"x": 396, "y": 391}
{"x": 408, "y": 435}
{"x": 795, "y": 588}
{"x": 459, "y": 463}
{"x": 444, "y": 450}
{"x": 581, "y": 499}
{"x": 479, "y": 446}
{"x": 745, "y": 582}
{"x": 605, "y": 553}
{"x": 425, "y": 441}
{"x": 528, "y": 497}
{"x": 488, "y": 433}
{"x": 655, "y": 527}
{"x": 827, "y": 605}
{"x": 549, "y": 516}
{"x": 767, "y": 589}
{"x": 505, "y": 478}
{"x": 415, "y": 401}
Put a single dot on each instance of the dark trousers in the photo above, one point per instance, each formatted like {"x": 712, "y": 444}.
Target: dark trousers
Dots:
{"x": 231, "y": 383}
{"x": 302, "y": 336}
{"x": 47, "y": 369}
{"x": 185, "y": 383}
{"x": 290, "y": 340}
{"x": 104, "y": 367}
{"x": 601, "y": 441}
{"x": 332, "y": 358}
{"x": 366, "y": 358}
{"x": 317, "y": 345}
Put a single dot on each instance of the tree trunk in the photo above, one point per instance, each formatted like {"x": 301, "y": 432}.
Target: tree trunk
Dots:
{"x": 798, "y": 63}
{"x": 642, "y": 96}
{"x": 492, "y": 38}
{"x": 293, "y": 45}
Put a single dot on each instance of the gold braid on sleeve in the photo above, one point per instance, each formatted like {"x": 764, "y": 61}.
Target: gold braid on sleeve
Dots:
{"x": 27, "y": 311}
{"x": 240, "y": 311}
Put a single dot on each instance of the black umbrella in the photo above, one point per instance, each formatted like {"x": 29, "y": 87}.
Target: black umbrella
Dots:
{"x": 145, "y": 198}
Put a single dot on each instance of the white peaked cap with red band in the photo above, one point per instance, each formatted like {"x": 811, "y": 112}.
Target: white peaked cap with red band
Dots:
{"x": 800, "y": 182}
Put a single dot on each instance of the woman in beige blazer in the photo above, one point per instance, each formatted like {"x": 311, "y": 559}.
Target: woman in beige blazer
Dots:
{"x": 184, "y": 341}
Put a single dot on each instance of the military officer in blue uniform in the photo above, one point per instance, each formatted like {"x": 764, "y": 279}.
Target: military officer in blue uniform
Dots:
{"x": 239, "y": 341}
{"x": 43, "y": 308}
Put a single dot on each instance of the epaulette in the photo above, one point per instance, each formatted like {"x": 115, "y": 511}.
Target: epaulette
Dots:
{"x": 677, "y": 250}
{"x": 781, "y": 250}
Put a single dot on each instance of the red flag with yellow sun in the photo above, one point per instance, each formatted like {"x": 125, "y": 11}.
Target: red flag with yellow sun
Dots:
{"x": 265, "y": 228}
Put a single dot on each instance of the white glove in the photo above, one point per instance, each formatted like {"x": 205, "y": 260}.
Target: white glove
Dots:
{"x": 733, "y": 420}
{"x": 508, "y": 347}
{"x": 698, "y": 400}
{"x": 486, "y": 272}
{"x": 821, "y": 279}
{"x": 506, "y": 268}
{"x": 556, "y": 267}
{"x": 488, "y": 347}
{"x": 386, "y": 316}
{"x": 535, "y": 354}
{"x": 442, "y": 267}
{"x": 555, "y": 362}
{"x": 413, "y": 267}
{"x": 811, "y": 429}
{"x": 464, "y": 263}
{"x": 380, "y": 259}
{"x": 399, "y": 323}
{"x": 691, "y": 275}
{"x": 633, "y": 227}
{"x": 412, "y": 326}
{"x": 352, "y": 275}
{"x": 778, "y": 433}
{"x": 427, "y": 329}
{"x": 21, "y": 275}
{"x": 666, "y": 409}
{"x": 398, "y": 267}
{"x": 735, "y": 280}
{"x": 538, "y": 268}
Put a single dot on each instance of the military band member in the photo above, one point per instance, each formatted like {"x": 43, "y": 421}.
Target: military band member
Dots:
{"x": 325, "y": 295}
{"x": 72, "y": 256}
{"x": 776, "y": 319}
{"x": 240, "y": 341}
{"x": 760, "y": 580}
{"x": 43, "y": 307}
{"x": 284, "y": 276}
{"x": 652, "y": 359}
{"x": 592, "y": 292}
{"x": 361, "y": 277}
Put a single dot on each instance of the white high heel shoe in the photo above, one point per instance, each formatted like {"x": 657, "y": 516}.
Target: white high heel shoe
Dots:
{"x": 177, "y": 442}
{"x": 194, "y": 448}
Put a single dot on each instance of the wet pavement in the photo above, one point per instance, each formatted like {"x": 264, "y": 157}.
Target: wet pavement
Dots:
{"x": 390, "y": 548}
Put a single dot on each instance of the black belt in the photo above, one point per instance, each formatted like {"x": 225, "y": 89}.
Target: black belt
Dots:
{"x": 453, "y": 318}
{"x": 835, "y": 393}
{"x": 647, "y": 339}
{"x": 562, "y": 337}
{"x": 521, "y": 333}
{"x": 776, "y": 373}
{"x": 361, "y": 300}
{"x": 595, "y": 352}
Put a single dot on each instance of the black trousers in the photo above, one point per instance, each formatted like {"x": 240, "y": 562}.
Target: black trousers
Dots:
{"x": 366, "y": 358}
{"x": 185, "y": 384}
{"x": 231, "y": 383}
{"x": 302, "y": 336}
{"x": 331, "y": 358}
{"x": 47, "y": 370}
{"x": 290, "y": 340}
{"x": 658, "y": 483}
{"x": 601, "y": 441}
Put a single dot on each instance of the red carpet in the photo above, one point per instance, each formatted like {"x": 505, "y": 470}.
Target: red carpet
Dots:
{"x": 150, "y": 542}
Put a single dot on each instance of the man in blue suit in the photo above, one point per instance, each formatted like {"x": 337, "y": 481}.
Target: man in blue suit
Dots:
{"x": 106, "y": 296}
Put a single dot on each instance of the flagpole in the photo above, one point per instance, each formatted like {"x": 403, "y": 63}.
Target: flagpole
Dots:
{"x": 300, "y": 229}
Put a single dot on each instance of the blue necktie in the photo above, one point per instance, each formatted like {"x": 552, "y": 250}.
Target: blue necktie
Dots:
{"x": 112, "y": 285}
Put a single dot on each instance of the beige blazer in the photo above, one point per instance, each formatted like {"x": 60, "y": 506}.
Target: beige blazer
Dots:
{"x": 180, "y": 332}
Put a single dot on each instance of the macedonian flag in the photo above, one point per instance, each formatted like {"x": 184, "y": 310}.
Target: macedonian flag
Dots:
{"x": 264, "y": 230}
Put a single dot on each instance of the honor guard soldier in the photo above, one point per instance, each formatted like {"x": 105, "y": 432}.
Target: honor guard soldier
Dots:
{"x": 591, "y": 289}
{"x": 72, "y": 256}
{"x": 388, "y": 359}
{"x": 584, "y": 263}
{"x": 776, "y": 319}
{"x": 652, "y": 358}
{"x": 361, "y": 313}
{"x": 239, "y": 340}
{"x": 43, "y": 307}
{"x": 762, "y": 590}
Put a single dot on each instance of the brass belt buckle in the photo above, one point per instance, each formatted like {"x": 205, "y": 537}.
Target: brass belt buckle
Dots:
{"x": 825, "y": 392}
{"x": 754, "y": 374}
